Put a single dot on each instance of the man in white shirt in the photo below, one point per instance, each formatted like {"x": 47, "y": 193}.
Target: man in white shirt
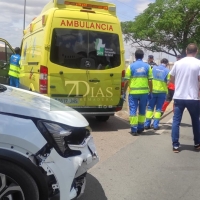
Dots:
{"x": 186, "y": 76}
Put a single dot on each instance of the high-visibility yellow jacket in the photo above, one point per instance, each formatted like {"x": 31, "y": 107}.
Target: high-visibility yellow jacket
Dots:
{"x": 160, "y": 79}
{"x": 138, "y": 74}
{"x": 14, "y": 66}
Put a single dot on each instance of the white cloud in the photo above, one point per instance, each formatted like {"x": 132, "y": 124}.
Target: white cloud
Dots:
{"x": 142, "y": 6}
{"x": 125, "y": 1}
{"x": 12, "y": 17}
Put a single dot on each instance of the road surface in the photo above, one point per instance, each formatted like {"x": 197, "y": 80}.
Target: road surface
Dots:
{"x": 144, "y": 167}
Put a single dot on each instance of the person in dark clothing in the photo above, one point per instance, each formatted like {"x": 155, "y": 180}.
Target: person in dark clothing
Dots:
{"x": 151, "y": 62}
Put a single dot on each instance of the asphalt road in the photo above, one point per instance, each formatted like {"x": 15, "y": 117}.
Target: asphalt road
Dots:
{"x": 144, "y": 167}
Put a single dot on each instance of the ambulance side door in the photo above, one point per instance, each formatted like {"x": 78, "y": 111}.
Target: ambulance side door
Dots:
{"x": 6, "y": 51}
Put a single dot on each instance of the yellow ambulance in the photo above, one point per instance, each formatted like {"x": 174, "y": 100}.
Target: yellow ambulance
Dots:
{"x": 73, "y": 52}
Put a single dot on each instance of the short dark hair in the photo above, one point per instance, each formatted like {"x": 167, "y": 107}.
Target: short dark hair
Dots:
{"x": 179, "y": 56}
{"x": 139, "y": 54}
{"x": 192, "y": 48}
{"x": 17, "y": 50}
{"x": 151, "y": 56}
{"x": 164, "y": 61}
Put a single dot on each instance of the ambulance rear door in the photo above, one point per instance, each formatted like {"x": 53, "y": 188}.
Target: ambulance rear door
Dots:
{"x": 69, "y": 48}
{"x": 104, "y": 48}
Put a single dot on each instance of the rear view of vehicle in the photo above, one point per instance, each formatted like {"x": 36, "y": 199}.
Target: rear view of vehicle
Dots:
{"x": 86, "y": 47}
{"x": 83, "y": 64}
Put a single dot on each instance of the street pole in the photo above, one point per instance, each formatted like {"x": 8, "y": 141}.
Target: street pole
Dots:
{"x": 24, "y": 12}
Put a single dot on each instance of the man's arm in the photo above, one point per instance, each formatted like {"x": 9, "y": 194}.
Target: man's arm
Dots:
{"x": 168, "y": 79}
{"x": 150, "y": 86}
{"x": 127, "y": 78}
{"x": 172, "y": 74}
{"x": 126, "y": 85}
{"x": 172, "y": 79}
{"x": 150, "y": 77}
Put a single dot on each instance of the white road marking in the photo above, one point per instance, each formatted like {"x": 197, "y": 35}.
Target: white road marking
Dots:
{"x": 162, "y": 130}
{"x": 167, "y": 123}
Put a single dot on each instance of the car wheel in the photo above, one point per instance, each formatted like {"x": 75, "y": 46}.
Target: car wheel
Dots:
{"x": 102, "y": 118}
{"x": 16, "y": 184}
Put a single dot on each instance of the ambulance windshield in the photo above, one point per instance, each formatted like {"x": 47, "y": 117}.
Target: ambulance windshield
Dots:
{"x": 73, "y": 48}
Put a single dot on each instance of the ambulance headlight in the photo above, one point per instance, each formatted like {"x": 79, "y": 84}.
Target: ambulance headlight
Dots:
{"x": 60, "y": 136}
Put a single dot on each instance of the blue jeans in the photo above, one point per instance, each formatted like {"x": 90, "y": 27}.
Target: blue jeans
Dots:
{"x": 14, "y": 82}
{"x": 157, "y": 101}
{"x": 193, "y": 109}
{"x": 137, "y": 101}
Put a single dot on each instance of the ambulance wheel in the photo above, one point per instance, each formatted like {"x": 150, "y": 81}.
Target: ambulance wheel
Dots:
{"x": 102, "y": 118}
{"x": 16, "y": 184}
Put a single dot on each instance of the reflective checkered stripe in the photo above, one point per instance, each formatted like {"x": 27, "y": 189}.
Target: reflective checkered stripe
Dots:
{"x": 157, "y": 115}
{"x": 141, "y": 119}
{"x": 133, "y": 120}
{"x": 149, "y": 114}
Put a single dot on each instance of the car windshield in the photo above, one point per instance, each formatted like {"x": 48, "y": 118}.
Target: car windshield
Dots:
{"x": 72, "y": 48}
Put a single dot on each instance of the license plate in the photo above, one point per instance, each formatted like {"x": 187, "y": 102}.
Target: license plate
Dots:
{"x": 68, "y": 100}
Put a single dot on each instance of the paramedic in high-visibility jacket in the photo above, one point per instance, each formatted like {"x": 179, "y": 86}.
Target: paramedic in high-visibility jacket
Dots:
{"x": 160, "y": 80}
{"x": 139, "y": 81}
{"x": 14, "y": 71}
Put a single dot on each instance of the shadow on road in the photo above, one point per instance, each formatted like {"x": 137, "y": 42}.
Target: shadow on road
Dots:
{"x": 165, "y": 126}
{"x": 149, "y": 133}
{"x": 186, "y": 147}
{"x": 93, "y": 190}
{"x": 185, "y": 125}
{"x": 113, "y": 124}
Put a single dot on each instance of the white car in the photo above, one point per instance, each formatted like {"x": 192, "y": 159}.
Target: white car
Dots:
{"x": 45, "y": 148}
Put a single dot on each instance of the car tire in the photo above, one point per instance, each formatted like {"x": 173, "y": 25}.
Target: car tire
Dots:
{"x": 102, "y": 118}
{"x": 16, "y": 184}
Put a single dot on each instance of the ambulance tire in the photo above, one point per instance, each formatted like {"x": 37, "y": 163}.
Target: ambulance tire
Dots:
{"x": 102, "y": 118}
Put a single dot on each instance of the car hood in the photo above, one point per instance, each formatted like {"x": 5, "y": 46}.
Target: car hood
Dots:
{"x": 26, "y": 103}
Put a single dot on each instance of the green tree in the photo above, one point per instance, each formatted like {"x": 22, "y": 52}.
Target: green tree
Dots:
{"x": 166, "y": 26}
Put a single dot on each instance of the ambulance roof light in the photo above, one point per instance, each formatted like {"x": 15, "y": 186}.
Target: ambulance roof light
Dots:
{"x": 60, "y": 2}
{"x": 112, "y": 9}
{"x": 86, "y": 5}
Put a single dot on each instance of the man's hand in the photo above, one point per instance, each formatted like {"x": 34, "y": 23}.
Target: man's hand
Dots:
{"x": 124, "y": 97}
{"x": 150, "y": 96}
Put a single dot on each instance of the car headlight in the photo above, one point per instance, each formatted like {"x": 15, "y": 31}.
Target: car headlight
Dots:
{"x": 63, "y": 135}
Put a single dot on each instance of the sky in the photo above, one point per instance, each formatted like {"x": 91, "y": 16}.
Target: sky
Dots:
{"x": 12, "y": 17}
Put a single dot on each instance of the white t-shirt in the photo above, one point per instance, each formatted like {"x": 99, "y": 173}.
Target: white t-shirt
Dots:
{"x": 186, "y": 72}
